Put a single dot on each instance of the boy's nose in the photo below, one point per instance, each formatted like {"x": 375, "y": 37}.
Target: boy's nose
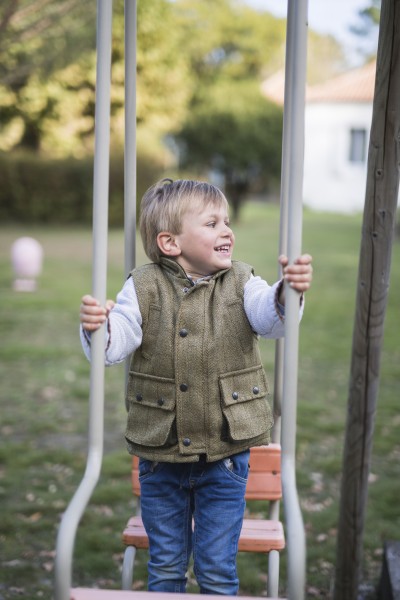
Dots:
{"x": 227, "y": 235}
{"x": 227, "y": 230}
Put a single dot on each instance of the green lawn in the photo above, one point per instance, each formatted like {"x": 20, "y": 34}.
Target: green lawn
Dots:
{"x": 45, "y": 386}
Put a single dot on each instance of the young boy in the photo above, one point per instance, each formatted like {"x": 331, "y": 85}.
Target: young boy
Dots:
{"x": 197, "y": 391}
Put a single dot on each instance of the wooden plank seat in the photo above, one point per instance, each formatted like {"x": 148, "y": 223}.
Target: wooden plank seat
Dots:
{"x": 261, "y": 535}
{"x": 257, "y": 535}
{"x": 96, "y": 594}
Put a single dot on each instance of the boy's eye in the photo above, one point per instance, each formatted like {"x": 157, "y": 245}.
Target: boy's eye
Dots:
{"x": 211, "y": 224}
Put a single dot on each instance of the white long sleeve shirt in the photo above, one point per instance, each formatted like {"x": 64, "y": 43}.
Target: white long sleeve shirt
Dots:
{"x": 124, "y": 325}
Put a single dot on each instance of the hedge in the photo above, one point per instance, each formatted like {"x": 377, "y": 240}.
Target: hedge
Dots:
{"x": 41, "y": 190}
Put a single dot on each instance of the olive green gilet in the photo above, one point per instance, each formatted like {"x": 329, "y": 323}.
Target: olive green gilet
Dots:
{"x": 196, "y": 384}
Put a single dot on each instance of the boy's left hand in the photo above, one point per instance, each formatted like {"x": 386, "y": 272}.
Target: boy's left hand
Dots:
{"x": 299, "y": 274}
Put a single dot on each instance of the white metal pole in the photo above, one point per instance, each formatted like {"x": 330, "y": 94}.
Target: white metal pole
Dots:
{"x": 293, "y": 154}
{"x": 130, "y": 178}
{"x": 130, "y": 135}
{"x": 73, "y": 514}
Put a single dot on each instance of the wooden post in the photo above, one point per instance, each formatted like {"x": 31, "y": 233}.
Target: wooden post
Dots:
{"x": 372, "y": 290}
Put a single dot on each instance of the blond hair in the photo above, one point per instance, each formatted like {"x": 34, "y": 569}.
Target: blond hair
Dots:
{"x": 164, "y": 204}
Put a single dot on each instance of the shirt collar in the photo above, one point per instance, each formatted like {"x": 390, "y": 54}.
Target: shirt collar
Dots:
{"x": 175, "y": 269}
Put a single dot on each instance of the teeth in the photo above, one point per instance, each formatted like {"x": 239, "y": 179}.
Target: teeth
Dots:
{"x": 223, "y": 249}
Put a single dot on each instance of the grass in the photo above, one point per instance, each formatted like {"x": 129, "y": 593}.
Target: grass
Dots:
{"x": 45, "y": 386}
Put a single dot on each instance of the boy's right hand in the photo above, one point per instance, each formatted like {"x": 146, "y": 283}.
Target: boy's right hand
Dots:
{"x": 92, "y": 314}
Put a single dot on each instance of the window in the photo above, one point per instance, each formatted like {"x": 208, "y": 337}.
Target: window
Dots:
{"x": 358, "y": 145}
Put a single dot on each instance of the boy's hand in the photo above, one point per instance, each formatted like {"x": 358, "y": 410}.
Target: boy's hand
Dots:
{"x": 92, "y": 315}
{"x": 298, "y": 275}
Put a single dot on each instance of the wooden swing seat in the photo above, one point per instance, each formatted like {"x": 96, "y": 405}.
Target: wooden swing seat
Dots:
{"x": 257, "y": 535}
{"x": 95, "y": 594}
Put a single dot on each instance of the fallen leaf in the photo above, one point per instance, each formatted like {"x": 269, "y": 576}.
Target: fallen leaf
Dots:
{"x": 35, "y": 517}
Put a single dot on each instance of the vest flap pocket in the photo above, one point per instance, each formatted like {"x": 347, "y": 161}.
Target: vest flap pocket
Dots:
{"x": 244, "y": 403}
{"x": 151, "y": 410}
{"x": 243, "y": 385}
{"x": 148, "y": 390}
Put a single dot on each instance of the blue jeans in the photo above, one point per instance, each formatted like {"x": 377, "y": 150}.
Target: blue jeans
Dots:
{"x": 211, "y": 495}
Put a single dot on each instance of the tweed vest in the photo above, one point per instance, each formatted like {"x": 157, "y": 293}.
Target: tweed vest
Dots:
{"x": 196, "y": 385}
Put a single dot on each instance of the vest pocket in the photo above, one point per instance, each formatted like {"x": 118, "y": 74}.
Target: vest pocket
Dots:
{"x": 244, "y": 403}
{"x": 151, "y": 415}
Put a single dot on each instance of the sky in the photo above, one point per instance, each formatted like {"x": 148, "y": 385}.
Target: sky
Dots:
{"x": 330, "y": 17}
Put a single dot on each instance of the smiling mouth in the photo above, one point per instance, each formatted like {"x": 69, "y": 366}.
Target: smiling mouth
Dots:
{"x": 223, "y": 249}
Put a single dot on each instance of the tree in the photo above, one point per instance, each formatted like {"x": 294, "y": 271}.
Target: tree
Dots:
{"x": 325, "y": 58}
{"x": 226, "y": 39}
{"x": 48, "y": 66}
{"x": 368, "y": 21}
{"x": 237, "y": 133}
{"x": 369, "y": 16}
{"x": 37, "y": 38}
{"x": 232, "y": 48}
{"x": 229, "y": 127}
{"x": 48, "y": 70}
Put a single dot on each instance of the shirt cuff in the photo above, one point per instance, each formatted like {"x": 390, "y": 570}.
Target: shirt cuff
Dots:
{"x": 280, "y": 309}
{"x": 87, "y": 336}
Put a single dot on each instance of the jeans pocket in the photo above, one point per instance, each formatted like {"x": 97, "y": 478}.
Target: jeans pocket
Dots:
{"x": 237, "y": 465}
{"x": 146, "y": 467}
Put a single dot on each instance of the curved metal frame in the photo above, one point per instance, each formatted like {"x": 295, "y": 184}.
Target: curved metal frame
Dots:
{"x": 292, "y": 186}
{"x": 74, "y": 512}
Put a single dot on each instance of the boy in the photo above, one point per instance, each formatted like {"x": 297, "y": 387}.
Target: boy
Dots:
{"x": 197, "y": 391}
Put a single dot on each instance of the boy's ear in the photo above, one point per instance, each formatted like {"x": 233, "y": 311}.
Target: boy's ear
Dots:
{"x": 168, "y": 244}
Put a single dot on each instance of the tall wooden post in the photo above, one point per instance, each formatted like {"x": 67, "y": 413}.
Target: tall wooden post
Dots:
{"x": 372, "y": 290}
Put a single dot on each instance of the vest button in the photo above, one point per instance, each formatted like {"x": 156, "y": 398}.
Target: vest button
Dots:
{"x": 186, "y": 442}
{"x": 139, "y": 397}
{"x": 160, "y": 401}
{"x": 235, "y": 395}
{"x": 183, "y": 332}
{"x": 183, "y": 387}
{"x": 256, "y": 390}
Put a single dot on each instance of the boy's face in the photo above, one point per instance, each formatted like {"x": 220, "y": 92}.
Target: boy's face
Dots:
{"x": 206, "y": 241}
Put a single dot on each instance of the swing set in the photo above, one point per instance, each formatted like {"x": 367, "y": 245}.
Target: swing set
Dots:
{"x": 273, "y": 474}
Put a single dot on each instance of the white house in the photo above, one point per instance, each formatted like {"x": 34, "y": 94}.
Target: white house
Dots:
{"x": 338, "y": 119}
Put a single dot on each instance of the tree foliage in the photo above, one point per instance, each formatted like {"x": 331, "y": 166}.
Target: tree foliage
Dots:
{"x": 48, "y": 68}
{"x": 235, "y": 132}
{"x": 189, "y": 53}
{"x": 42, "y": 36}
{"x": 227, "y": 40}
{"x": 325, "y": 58}
{"x": 369, "y": 18}
{"x": 37, "y": 38}
{"x": 163, "y": 77}
{"x": 229, "y": 127}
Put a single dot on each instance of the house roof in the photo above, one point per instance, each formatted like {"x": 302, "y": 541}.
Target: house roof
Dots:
{"x": 273, "y": 88}
{"x": 356, "y": 85}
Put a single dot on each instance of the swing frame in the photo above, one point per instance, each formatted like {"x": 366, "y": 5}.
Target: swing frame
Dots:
{"x": 286, "y": 358}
